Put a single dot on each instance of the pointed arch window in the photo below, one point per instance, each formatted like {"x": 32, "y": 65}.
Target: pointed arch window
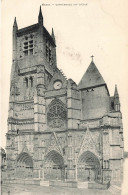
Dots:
{"x": 26, "y": 82}
{"x": 31, "y": 81}
{"x": 56, "y": 114}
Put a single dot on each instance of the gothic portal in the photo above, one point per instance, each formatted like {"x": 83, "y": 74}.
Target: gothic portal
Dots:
{"x": 88, "y": 167}
{"x": 56, "y": 128}
{"x": 24, "y": 165}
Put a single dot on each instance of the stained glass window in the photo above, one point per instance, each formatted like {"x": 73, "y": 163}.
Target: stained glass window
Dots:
{"x": 56, "y": 115}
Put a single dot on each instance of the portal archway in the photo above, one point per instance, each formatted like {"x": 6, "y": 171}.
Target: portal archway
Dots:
{"x": 88, "y": 167}
{"x": 54, "y": 166}
{"x": 24, "y": 165}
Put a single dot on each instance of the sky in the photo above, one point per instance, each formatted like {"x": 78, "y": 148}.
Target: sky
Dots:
{"x": 82, "y": 29}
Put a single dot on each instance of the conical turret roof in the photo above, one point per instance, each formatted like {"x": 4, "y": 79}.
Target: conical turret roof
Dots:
{"x": 91, "y": 78}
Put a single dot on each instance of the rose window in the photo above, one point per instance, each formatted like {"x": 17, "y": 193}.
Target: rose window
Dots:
{"x": 56, "y": 115}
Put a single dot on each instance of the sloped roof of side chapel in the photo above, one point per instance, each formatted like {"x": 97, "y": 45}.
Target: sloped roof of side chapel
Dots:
{"x": 91, "y": 78}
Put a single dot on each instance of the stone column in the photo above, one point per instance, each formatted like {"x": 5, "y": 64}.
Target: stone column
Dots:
{"x": 42, "y": 171}
{"x": 76, "y": 169}
{"x": 39, "y": 174}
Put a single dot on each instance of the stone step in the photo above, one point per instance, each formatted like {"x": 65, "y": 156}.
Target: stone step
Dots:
{"x": 44, "y": 183}
{"x": 70, "y": 184}
{"x": 116, "y": 187}
{"x": 82, "y": 185}
{"x": 115, "y": 190}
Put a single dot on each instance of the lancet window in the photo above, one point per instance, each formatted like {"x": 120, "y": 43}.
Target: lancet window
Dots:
{"x": 26, "y": 82}
{"x": 31, "y": 81}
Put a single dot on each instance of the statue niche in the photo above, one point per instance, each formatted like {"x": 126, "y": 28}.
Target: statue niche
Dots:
{"x": 56, "y": 114}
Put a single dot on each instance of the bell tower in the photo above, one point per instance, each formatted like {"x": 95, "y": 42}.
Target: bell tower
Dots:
{"x": 33, "y": 65}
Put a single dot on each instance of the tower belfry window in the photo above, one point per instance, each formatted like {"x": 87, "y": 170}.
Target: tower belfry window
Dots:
{"x": 31, "y": 42}
{"x": 26, "y": 43}
{"x": 28, "y": 47}
{"x": 49, "y": 52}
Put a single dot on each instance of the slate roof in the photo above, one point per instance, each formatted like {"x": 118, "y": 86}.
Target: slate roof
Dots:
{"x": 91, "y": 78}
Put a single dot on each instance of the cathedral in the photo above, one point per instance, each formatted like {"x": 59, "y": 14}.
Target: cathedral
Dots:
{"x": 58, "y": 130}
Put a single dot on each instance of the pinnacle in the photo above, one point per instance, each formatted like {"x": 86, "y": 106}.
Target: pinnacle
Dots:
{"x": 116, "y": 91}
{"x": 52, "y": 32}
{"x": 40, "y": 17}
{"x": 15, "y": 22}
{"x": 40, "y": 12}
{"x": 53, "y": 36}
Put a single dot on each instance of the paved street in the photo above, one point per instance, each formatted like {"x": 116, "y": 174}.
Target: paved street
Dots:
{"x": 39, "y": 190}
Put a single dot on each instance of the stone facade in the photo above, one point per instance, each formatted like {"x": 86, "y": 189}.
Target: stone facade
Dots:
{"x": 56, "y": 128}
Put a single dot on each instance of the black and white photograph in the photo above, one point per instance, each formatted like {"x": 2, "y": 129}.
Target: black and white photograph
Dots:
{"x": 64, "y": 97}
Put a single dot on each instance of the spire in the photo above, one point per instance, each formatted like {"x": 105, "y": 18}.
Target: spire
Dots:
{"x": 91, "y": 77}
{"x": 15, "y": 24}
{"x": 40, "y": 17}
{"x": 53, "y": 36}
{"x": 116, "y": 94}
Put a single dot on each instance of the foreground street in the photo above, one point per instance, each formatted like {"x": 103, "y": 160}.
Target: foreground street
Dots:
{"x": 17, "y": 189}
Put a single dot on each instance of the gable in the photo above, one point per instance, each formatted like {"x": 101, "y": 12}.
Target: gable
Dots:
{"x": 25, "y": 149}
{"x": 58, "y": 76}
{"x": 54, "y": 144}
{"x": 88, "y": 144}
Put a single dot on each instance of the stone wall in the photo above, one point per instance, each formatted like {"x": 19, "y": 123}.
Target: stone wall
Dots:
{"x": 95, "y": 102}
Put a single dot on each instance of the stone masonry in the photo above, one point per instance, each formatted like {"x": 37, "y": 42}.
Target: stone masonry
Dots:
{"x": 56, "y": 128}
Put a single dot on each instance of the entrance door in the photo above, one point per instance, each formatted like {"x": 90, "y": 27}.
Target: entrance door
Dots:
{"x": 54, "y": 166}
{"x": 88, "y": 167}
{"x": 24, "y": 166}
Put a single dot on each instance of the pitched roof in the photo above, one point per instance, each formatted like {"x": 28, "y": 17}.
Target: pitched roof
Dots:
{"x": 91, "y": 78}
